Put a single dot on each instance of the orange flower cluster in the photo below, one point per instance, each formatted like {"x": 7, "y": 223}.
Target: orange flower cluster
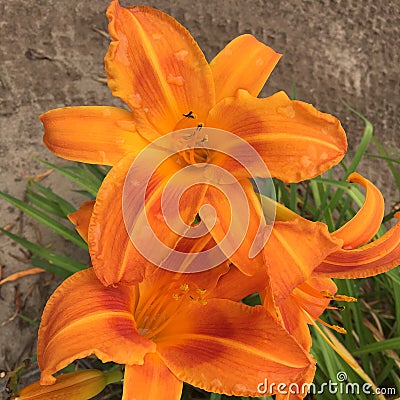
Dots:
{"x": 170, "y": 326}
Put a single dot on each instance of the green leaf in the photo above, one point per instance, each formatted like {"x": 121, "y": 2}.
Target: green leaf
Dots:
{"x": 44, "y": 219}
{"x": 43, "y": 203}
{"x": 389, "y": 344}
{"x": 78, "y": 175}
{"x": 65, "y": 206}
{"x": 65, "y": 263}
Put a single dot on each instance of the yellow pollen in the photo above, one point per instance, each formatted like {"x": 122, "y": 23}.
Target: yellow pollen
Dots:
{"x": 201, "y": 291}
{"x": 176, "y": 296}
{"x": 334, "y": 327}
{"x": 347, "y": 299}
{"x": 185, "y": 288}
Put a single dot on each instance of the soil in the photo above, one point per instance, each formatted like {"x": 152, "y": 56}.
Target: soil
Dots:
{"x": 52, "y": 54}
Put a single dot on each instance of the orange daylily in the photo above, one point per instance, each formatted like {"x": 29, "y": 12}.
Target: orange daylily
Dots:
{"x": 167, "y": 329}
{"x": 300, "y": 272}
{"x": 157, "y": 69}
{"x": 78, "y": 385}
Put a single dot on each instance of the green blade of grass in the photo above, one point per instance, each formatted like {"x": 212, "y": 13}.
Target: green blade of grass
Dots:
{"x": 65, "y": 263}
{"x": 387, "y": 158}
{"x": 45, "y": 204}
{"x": 389, "y": 344}
{"x": 78, "y": 175}
{"x": 96, "y": 172}
{"x": 50, "y": 267}
{"x": 390, "y": 165}
{"x": 293, "y": 197}
{"x": 30, "y": 321}
{"x": 44, "y": 219}
{"x": 65, "y": 206}
{"x": 360, "y": 151}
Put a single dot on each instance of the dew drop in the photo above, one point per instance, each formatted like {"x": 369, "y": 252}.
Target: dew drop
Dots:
{"x": 175, "y": 80}
{"x": 287, "y": 111}
{"x": 102, "y": 156}
{"x": 181, "y": 55}
{"x": 156, "y": 36}
{"x": 135, "y": 100}
{"x": 305, "y": 161}
{"x": 160, "y": 217}
{"x": 146, "y": 110}
{"x": 143, "y": 331}
{"x": 323, "y": 156}
{"x": 134, "y": 183}
{"x": 259, "y": 62}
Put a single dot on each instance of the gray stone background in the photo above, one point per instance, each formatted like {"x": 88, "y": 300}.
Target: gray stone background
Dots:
{"x": 51, "y": 55}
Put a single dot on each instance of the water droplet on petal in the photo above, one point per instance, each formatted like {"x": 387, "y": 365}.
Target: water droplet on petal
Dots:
{"x": 305, "y": 161}
{"x": 160, "y": 216}
{"x": 146, "y": 110}
{"x": 175, "y": 80}
{"x": 323, "y": 156}
{"x": 102, "y": 156}
{"x": 156, "y": 36}
{"x": 287, "y": 111}
{"x": 180, "y": 55}
{"x": 259, "y": 62}
{"x": 135, "y": 100}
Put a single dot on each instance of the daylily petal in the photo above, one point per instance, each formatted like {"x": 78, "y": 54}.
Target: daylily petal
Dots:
{"x": 109, "y": 244}
{"x": 374, "y": 258}
{"x": 294, "y": 249}
{"x": 366, "y": 223}
{"x": 96, "y": 135}
{"x": 292, "y": 312}
{"x": 234, "y": 285}
{"x": 83, "y": 317}
{"x": 295, "y": 140}
{"x": 115, "y": 258}
{"x": 152, "y": 380}
{"x": 219, "y": 337}
{"x": 157, "y": 68}
{"x": 249, "y": 63}
{"x": 243, "y": 231}
{"x": 81, "y": 218}
{"x": 295, "y": 322}
{"x": 315, "y": 305}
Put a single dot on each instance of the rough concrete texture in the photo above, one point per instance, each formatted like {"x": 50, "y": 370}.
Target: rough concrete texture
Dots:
{"x": 51, "y": 56}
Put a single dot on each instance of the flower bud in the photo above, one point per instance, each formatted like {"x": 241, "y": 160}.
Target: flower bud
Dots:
{"x": 78, "y": 385}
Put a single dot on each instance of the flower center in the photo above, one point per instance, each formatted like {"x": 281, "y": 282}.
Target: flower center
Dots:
{"x": 156, "y": 311}
{"x": 191, "y": 140}
{"x": 319, "y": 300}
